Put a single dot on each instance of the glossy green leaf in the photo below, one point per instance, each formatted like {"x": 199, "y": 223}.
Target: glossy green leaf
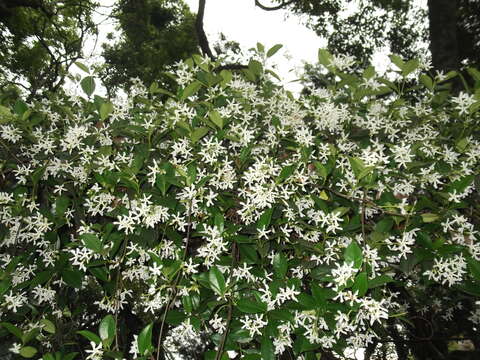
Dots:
{"x": 251, "y": 307}
{"x": 105, "y": 110}
{"x": 280, "y": 265}
{"x": 144, "y": 340}
{"x": 217, "y": 280}
{"x": 88, "y": 85}
{"x": 216, "y": 118}
{"x": 191, "y": 89}
{"x": 107, "y": 329}
{"x": 264, "y": 220}
{"x": 12, "y": 329}
{"x": 90, "y": 336}
{"x": 353, "y": 254}
{"x": 199, "y": 133}
{"x": 360, "y": 284}
{"x": 92, "y": 242}
{"x": 274, "y": 49}
{"x": 267, "y": 349}
{"x": 82, "y": 67}
{"x": 28, "y": 351}
{"x": 48, "y": 326}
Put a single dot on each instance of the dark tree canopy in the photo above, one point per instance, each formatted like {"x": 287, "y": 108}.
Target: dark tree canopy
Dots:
{"x": 451, "y": 29}
{"x": 153, "y": 34}
{"x": 39, "y": 40}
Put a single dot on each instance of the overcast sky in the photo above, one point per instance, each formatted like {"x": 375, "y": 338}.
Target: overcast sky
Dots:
{"x": 242, "y": 21}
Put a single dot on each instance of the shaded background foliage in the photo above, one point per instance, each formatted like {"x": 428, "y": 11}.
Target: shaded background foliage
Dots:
{"x": 40, "y": 40}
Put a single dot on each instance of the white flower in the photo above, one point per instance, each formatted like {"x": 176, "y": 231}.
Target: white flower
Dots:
{"x": 96, "y": 352}
{"x": 253, "y": 324}
{"x": 463, "y": 101}
{"x": 15, "y": 348}
{"x": 343, "y": 273}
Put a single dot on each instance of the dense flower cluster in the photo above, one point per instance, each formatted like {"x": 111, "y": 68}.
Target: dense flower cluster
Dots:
{"x": 234, "y": 209}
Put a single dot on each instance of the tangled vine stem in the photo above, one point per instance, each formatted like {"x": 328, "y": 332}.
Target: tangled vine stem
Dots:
{"x": 175, "y": 284}
{"x": 273, "y": 8}
{"x": 364, "y": 201}
{"x": 225, "y": 333}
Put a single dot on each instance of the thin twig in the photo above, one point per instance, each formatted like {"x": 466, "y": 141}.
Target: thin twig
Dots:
{"x": 273, "y": 8}
{"x": 365, "y": 201}
{"x": 175, "y": 284}
{"x": 225, "y": 333}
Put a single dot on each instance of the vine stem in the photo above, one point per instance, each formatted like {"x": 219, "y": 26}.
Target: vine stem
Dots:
{"x": 175, "y": 284}
{"x": 363, "y": 201}
{"x": 225, "y": 333}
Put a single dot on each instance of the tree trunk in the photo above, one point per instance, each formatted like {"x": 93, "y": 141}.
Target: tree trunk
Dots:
{"x": 442, "y": 15}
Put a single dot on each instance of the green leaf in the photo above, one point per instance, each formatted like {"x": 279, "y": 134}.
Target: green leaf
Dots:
{"x": 379, "y": 281}
{"x": 429, "y": 217}
{"x": 397, "y": 60}
{"x": 144, "y": 340}
{"x": 175, "y": 317}
{"x": 359, "y": 168}
{"x": 427, "y": 81}
{"x": 274, "y": 49}
{"x": 474, "y": 266}
{"x": 285, "y": 173}
{"x": 409, "y": 67}
{"x": 216, "y": 118}
{"x": 361, "y": 284}
{"x": 255, "y": 67}
{"x": 198, "y": 133}
{"x": 461, "y": 184}
{"x": 92, "y": 242}
{"x": 100, "y": 273}
{"x": 280, "y": 265}
{"x": 30, "y": 335}
{"x": 82, "y": 67}
{"x": 28, "y": 351}
{"x": 88, "y": 85}
{"x": 90, "y": 336}
{"x": 264, "y": 220}
{"x": 114, "y": 354}
{"x": 12, "y": 329}
{"x": 191, "y": 89}
{"x": 20, "y": 107}
{"x": 48, "y": 356}
{"x": 307, "y": 301}
{"x": 61, "y": 205}
{"x": 369, "y": 73}
{"x": 267, "y": 349}
{"x": 353, "y": 254}
{"x": 324, "y": 57}
{"x": 251, "y": 307}
{"x": 226, "y": 75}
{"x": 70, "y": 356}
{"x": 474, "y": 73}
{"x": 48, "y": 326}
{"x": 105, "y": 109}
{"x": 217, "y": 280}
{"x": 72, "y": 278}
{"x": 384, "y": 225}
{"x": 37, "y": 174}
{"x": 107, "y": 329}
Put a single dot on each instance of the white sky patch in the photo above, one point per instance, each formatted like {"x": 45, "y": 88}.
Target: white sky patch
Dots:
{"x": 242, "y": 21}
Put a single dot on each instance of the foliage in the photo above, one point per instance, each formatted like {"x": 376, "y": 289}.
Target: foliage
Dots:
{"x": 266, "y": 223}
{"x": 362, "y": 27}
{"x": 39, "y": 40}
{"x": 153, "y": 34}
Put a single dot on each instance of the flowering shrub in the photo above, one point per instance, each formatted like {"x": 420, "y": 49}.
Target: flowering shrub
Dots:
{"x": 235, "y": 212}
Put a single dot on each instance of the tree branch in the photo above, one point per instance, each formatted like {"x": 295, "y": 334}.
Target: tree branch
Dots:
{"x": 201, "y": 36}
{"x": 273, "y": 8}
